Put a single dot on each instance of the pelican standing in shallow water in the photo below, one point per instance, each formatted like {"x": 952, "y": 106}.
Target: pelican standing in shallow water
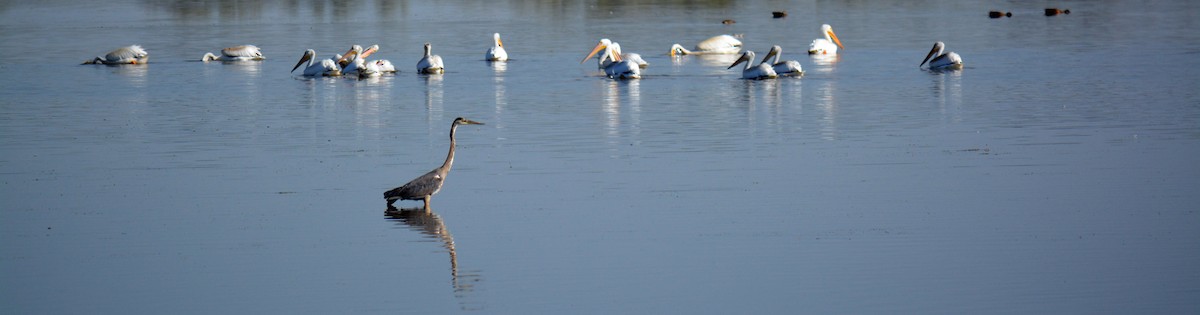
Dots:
{"x": 611, "y": 61}
{"x": 497, "y": 52}
{"x": 720, "y": 44}
{"x": 430, "y": 63}
{"x": 125, "y": 55}
{"x": 427, "y": 185}
{"x": 946, "y": 60}
{"x": 752, "y": 71}
{"x": 327, "y": 67}
{"x": 825, "y": 46}
{"x": 236, "y": 53}
{"x": 783, "y": 68}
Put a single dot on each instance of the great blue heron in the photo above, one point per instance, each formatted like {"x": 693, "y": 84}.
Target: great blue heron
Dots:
{"x": 429, "y": 184}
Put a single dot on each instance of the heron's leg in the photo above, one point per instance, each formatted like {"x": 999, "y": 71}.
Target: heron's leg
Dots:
{"x": 427, "y": 202}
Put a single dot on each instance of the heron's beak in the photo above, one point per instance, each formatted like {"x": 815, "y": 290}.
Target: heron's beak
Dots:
{"x": 499, "y": 42}
{"x": 599, "y": 47}
{"x": 672, "y": 52}
{"x": 835, "y": 39}
{"x": 471, "y": 122}
{"x": 303, "y": 59}
{"x": 929, "y": 55}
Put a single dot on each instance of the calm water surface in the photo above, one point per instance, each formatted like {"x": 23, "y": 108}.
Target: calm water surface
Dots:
{"x": 1057, "y": 173}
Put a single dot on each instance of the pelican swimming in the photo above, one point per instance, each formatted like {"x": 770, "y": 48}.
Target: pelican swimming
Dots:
{"x": 752, "y": 71}
{"x": 430, "y": 63}
{"x": 497, "y": 52}
{"x": 720, "y": 44}
{"x": 613, "y": 64}
{"x": 946, "y": 60}
{"x": 825, "y": 46}
{"x": 425, "y": 186}
{"x": 327, "y": 67}
{"x": 783, "y": 68}
{"x": 236, "y": 53}
{"x": 125, "y": 55}
{"x": 603, "y": 61}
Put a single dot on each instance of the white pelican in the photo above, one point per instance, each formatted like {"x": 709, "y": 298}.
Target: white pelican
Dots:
{"x": 603, "y": 62}
{"x": 825, "y": 46}
{"x": 125, "y": 55}
{"x": 430, "y": 63}
{"x": 614, "y": 66}
{"x": 343, "y": 61}
{"x": 497, "y": 52}
{"x": 946, "y": 60}
{"x": 783, "y": 68}
{"x": 752, "y": 71}
{"x": 720, "y": 44}
{"x": 327, "y": 67}
{"x": 236, "y": 53}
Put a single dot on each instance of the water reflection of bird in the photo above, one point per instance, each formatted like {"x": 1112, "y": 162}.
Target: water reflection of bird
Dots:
{"x": 942, "y": 60}
{"x": 133, "y": 55}
{"x": 327, "y": 67}
{"x": 497, "y": 52}
{"x": 236, "y": 53}
{"x": 427, "y": 185}
{"x": 754, "y": 71}
{"x": 825, "y": 46}
{"x": 430, "y": 63}
{"x": 720, "y": 44}
{"x": 611, "y": 61}
{"x": 783, "y": 68}
{"x": 432, "y": 225}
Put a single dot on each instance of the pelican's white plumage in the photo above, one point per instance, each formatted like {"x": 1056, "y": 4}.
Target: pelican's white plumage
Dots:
{"x": 133, "y": 55}
{"x": 236, "y": 53}
{"x": 720, "y": 44}
{"x": 497, "y": 52}
{"x": 825, "y": 46}
{"x": 942, "y": 60}
{"x": 327, "y": 67}
{"x": 783, "y": 68}
{"x": 430, "y": 63}
{"x": 613, "y": 64}
{"x": 754, "y": 71}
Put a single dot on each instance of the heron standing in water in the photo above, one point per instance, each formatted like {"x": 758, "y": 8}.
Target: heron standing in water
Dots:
{"x": 429, "y": 184}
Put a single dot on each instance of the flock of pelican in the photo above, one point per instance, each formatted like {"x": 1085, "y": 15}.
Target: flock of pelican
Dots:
{"x": 611, "y": 59}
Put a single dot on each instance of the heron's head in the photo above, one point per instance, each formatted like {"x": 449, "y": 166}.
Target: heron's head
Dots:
{"x": 464, "y": 121}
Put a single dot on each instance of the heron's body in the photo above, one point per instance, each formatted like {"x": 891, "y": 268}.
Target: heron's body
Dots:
{"x": 327, "y": 67}
{"x": 133, "y": 55}
{"x": 613, "y": 64}
{"x": 430, "y": 63}
{"x": 754, "y": 71}
{"x": 425, "y": 186}
{"x": 782, "y": 68}
{"x": 236, "y": 53}
{"x": 497, "y": 52}
{"x": 825, "y": 46}
{"x": 720, "y": 44}
{"x": 942, "y": 60}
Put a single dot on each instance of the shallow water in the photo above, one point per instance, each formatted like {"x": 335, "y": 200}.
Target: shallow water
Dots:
{"x": 1056, "y": 173}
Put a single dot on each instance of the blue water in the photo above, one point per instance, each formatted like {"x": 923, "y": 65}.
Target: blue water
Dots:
{"x": 1056, "y": 173}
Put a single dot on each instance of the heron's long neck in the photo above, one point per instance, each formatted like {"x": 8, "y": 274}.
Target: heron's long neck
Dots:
{"x": 776, "y": 59}
{"x": 450, "y": 155}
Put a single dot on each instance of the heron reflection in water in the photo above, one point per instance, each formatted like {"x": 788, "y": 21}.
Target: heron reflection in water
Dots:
{"x": 431, "y": 224}
{"x": 427, "y": 185}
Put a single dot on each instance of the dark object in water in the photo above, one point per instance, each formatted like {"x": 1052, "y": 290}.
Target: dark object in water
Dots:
{"x": 727, "y": 22}
{"x": 779, "y": 14}
{"x": 998, "y": 14}
{"x": 1056, "y": 11}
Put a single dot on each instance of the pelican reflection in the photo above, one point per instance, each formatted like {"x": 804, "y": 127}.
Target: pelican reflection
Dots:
{"x": 432, "y": 226}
